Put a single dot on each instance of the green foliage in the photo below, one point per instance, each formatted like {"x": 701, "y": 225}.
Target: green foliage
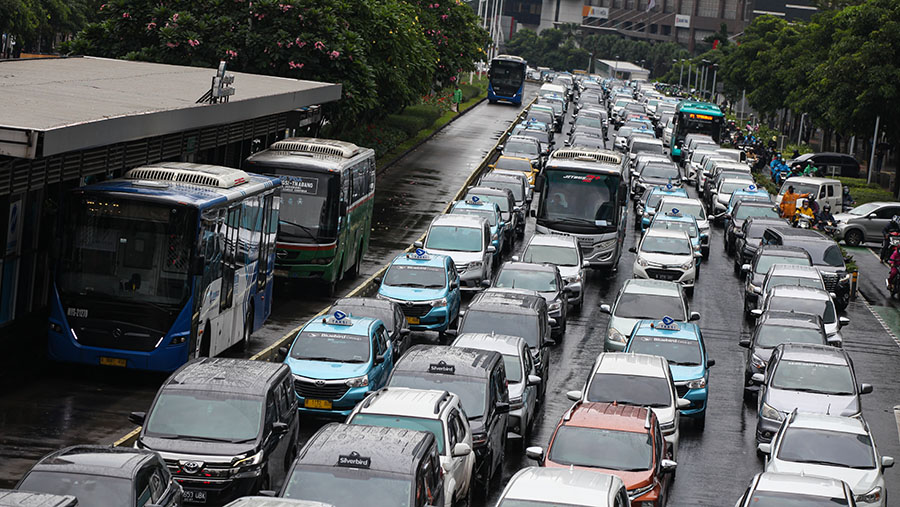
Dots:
{"x": 469, "y": 91}
{"x": 407, "y": 123}
{"x": 427, "y": 113}
{"x": 553, "y": 48}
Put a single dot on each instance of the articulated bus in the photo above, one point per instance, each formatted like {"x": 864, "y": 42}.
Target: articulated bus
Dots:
{"x": 506, "y": 79}
{"x": 170, "y": 262}
{"x": 695, "y": 118}
{"x": 328, "y": 195}
{"x": 583, "y": 193}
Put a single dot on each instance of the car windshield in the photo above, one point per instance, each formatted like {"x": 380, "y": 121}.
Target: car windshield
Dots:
{"x": 660, "y": 171}
{"x": 433, "y": 426}
{"x": 349, "y": 486}
{"x": 422, "y": 277}
{"x": 502, "y": 201}
{"x": 814, "y": 377}
{"x": 800, "y": 188}
{"x": 514, "y": 146}
{"x": 693, "y": 209}
{"x": 765, "y": 261}
{"x": 821, "y": 307}
{"x": 783, "y": 499}
{"x": 677, "y": 225}
{"x": 487, "y": 213}
{"x": 331, "y": 347}
{"x": 802, "y": 281}
{"x": 589, "y": 122}
{"x": 623, "y": 132}
{"x": 471, "y": 391}
{"x": 511, "y": 324}
{"x": 770, "y": 336}
{"x": 864, "y": 209}
{"x": 556, "y": 255}
{"x": 515, "y": 164}
{"x": 513, "y": 366}
{"x": 600, "y": 448}
{"x": 649, "y": 306}
{"x": 756, "y": 231}
{"x": 384, "y": 314}
{"x": 455, "y": 239}
{"x": 637, "y": 147}
{"x": 744, "y": 212}
{"x": 88, "y": 489}
{"x": 630, "y": 390}
{"x": 537, "y": 280}
{"x": 665, "y": 245}
{"x": 676, "y": 351}
{"x": 205, "y": 415}
{"x": 824, "y": 447}
{"x": 513, "y": 185}
{"x": 730, "y": 186}
{"x": 824, "y": 253}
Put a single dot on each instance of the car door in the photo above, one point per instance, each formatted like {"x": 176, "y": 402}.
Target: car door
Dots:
{"x": 379, "y": 372}
{"x": 454, "y": 298}
{"x": 883, "y": 215}
{"x": 458, "y": 464}
{"x": 275, "y": 447}
{"x": 529, "y": 397}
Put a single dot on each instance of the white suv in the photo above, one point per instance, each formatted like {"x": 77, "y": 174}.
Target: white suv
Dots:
{"x": 438, "y": 412}
{"x": 666, "y": 254}
{"x": 636, "y": 379}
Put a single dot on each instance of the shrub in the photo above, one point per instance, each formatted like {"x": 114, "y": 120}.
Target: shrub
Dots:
{"x": 469, "y": 92}
{"x": 429, "y": 113}
{"x": 407, "y": 123}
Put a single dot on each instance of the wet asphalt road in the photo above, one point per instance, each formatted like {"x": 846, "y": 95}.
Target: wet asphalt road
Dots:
{"x": 40, "y": 413}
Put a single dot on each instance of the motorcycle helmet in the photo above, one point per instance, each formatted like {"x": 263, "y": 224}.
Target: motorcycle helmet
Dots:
{"x": 826, "y": 208}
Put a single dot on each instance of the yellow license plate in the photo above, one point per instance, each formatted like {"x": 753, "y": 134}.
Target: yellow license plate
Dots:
{"x": 113, "y": 361}
{"x": 412, "y": 320}
{"x": 320, "y": 404}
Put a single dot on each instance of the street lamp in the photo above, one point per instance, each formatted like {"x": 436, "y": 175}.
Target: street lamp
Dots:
{"x": 713, "y": 90}
{"x": 681, "y": 72}
{"x": 616, "y": 67}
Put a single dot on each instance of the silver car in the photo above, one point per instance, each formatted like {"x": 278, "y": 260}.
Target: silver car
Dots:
{"x": 865, "y": 222}
{"x": 564, "y": 253}
{"x": 665, "y": 254}
{"x": 643, "y": 299}
{"x": 467, "y": 240}
{"x": 562, "y": 486}
{"x": 789, "y": 298}
{"x": 775, "y": 488}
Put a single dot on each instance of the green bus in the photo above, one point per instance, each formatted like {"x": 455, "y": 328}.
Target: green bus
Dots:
{"x": 695, "y": 118}
{"x": 328, "y": 193}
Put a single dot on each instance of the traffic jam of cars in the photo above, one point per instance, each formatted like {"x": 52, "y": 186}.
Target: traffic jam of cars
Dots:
{"x": 413, "y": 422}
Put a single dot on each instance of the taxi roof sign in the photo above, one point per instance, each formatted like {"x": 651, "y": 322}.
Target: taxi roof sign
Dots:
{"x": 669, "y": 185}
{"x": 474, "y": 200}
{"x": 442, "y": 367}
{"x": 666, "y": 324}
{"x": 354, "y": 460}
{"x": 675, "y": 212}
{"x": 418, "y": 254}
{"x": 339, "y": 318}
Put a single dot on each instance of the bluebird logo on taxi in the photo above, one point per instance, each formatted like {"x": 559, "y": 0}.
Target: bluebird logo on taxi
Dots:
{"x": 420, "y": 252}
{"x": 675, "y": 211}
{"x": 475, "y": 198}
{"x": 752, "y": 187}
{"x": 668, "y": 186}
{"x": 668, "y": 320}
{"x": 339, "y": 315}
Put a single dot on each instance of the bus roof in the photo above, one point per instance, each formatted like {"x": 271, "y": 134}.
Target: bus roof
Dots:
{"x": 148, "y": 183}
{"x": 594, "y": 159}
{"x": 689, "y": 106}
{"x": 509, "y": 58}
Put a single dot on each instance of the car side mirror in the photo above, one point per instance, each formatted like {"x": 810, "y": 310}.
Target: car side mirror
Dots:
{"x": 756, "y": 312}
{"x": 461, "y": 449}
{"x": 865, "y": 388}
{"x": 682, "y": 403}
{"x": 491, "y": 249}
{"x": 282, "y": 354}
{"x": 454, "y": 284}
{"x": 759, "y": 378}
{"x": 502, "y": 407}
{"x": 574, "y": 395}
{"x": 632, "y": 250}
{"x": 764, "y": 448}
{"x": 534, "y": 380}
{"x": 668, "y": 466}
{"x": 605, "y": 308}
{"x": 745, "y": 343}
{"x": 377, "y": 280}
{"x": 485, "y": 283}
{"x": 694, "y": 316}
{"x": 844, "y": 321}
{"x": 137, "y": 417}
{"x": 887, "y": 461}
{"x": 745, "y": 268}
{"x": 280, "y": 428}
{"x": 268, "y": 492}
{"x": 835, "y": 341}
{"x": 535, "y": 453}
{"x": 418, "y": 244}
{"x": 710, "y": 363}
{"x": 551, "y": 321}
{"x": 452, "y": 333}
{"x": 379, "y": 358}
{"x": 514, "y": 258}
{"x": 500, "y": 147}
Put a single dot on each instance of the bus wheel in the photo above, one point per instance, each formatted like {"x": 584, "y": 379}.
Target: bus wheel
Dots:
{"x": 204, "y": 342}
{"x": 248, "y": 330}
{"x": 354, "y": 271}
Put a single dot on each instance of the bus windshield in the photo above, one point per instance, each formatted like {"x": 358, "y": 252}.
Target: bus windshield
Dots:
{"x": 309, "y": 205}
{"x": 576, "y": 201}
{"x": 507, "y": 75}
{"x": 687, "y": 125}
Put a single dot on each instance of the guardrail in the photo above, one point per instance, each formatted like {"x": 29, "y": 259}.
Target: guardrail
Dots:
{"x": 367, "y": 287}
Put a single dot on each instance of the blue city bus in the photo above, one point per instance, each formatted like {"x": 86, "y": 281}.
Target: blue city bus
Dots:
{"x": 170, "y": 262}
{"x": 506, "y": 79}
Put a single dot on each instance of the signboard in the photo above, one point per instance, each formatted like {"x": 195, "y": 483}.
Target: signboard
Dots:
{"x": 682, "y": 21}
{"x": 299, "y": 185}
{"x": 592, "y": 11}
{"x": 14, "y": 227}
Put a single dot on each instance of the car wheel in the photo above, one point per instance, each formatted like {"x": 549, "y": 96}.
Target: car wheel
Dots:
{"x": 843, "y": 300}
{"x": 747, "y": 309}
{"x": 737, "y": 267}
{"x": 526, "y": 432}
{"x": 204, "y": 342}
{"x": 853, "y": 238}
{"x": 486, "y": 480}
{"x": 701, "y": 421}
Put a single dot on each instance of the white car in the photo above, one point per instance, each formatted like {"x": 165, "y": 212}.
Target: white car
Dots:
{"x": 467, "y": 240}
{"x": 773, "y": 488}
{"x": 636, "y": 379}
{"x": 831, "y": 446}
{"x": 688, "y": 206}
{"x": 665, "y": 254}
{"x": 438, "y": 412}
{"x": 563, "y": 486}
{"x": 564, "y": 253}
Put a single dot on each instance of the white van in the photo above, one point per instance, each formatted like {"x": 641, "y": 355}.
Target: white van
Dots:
{"x": 825, "y": 190}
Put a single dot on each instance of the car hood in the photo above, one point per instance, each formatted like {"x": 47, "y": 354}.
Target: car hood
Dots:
{"x": 568, "y": 271}
{"x": 664, "y": 414}
{"x": 209, "y": 452}
{"x": 680, "y": 373}
{"x": 845, "y": 217}
{"x": 411, "y": 293}
{"x": 860, "y": 480}
{"x": 459, "y": 258}
{"x": 623, "y": 325}
{"x": 815, "y": 403}
{"x": 326, "y": 370}
{"x": 665, "y": 259}
{"x": 632, "y": 480}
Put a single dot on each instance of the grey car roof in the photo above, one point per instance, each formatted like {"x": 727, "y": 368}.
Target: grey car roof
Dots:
{"x": 389, "y": 449}
{"x": 797, "y": 234}
{"x": 790, "y": 319}
{"x": 529, "y": 266}
{"x": 783, "y": 250}
{"x": 459, "y": 220}
{"x": 467, "y": 362}
{"x": 265, "y": 501}
{"x": 794, "y": 270}
{"x": 553, "y": 240}
{"x": 10, "y": 498}
{"x": 226, "y": 374}
{"x": 108, "y": 461}
{"x": 504, "y": 344}
{"x": 819, "y": 487}
{"x": 799, "y": 292}
{"x": 812, "y": 353}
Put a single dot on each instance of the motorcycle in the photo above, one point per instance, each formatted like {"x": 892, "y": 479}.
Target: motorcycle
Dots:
{"x": 802, "y": 221}
{"x": 893, "y": 283}
{"x": 891, "y": 241}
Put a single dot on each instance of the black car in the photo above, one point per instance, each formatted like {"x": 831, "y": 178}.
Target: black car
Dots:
{"x": 755, "y": 271}
{"x": 225, "y": 427}
{"x": 372, "y": 466}
{"x": 825, "y": 253}
{"x": 747, "y": 240}
{"x": 772, "y": 329}
{"x": 479, "y": 378}
{"x": 543, "y": 279}
{"x": 829, "y": 164}
{"x": 516, "y": 185}
{"x": 655, "y": 174}
{"x": 742, "y": 211}
{"x": 11, "y": 498}
{"x": 387, "y": 311}
{"x": 104, "y": 475}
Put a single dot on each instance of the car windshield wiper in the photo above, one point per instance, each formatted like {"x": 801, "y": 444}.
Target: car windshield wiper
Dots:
{"x": 301, "y": 227}
{"x": 684, "y": 363}
{"x": 323, "y": 358}
{"x": 574, "y": 220}
{"x": 822, "y": 462}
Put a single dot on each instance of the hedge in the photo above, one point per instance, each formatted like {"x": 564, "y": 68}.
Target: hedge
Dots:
{"x": 407, "y": 123}
{"x": 429, "y": 113}
{"x": 469, "y": 91}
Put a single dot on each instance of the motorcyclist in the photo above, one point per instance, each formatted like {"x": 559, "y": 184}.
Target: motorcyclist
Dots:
{"x": 892, "y": 227}
{"x": 804, "y": 211}
{"x": 825, "y": 217}
{"x": 846, "y": 199}
{"x": 811, "y": 202}
{"x": 893, "y": 262}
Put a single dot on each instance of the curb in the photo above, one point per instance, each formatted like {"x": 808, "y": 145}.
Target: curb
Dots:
{"x": 367, "y": 286}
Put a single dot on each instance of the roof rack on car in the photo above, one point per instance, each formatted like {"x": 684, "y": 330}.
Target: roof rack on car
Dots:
{"x": 437, "y": 404}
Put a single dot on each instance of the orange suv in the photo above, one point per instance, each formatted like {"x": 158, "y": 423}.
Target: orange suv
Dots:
{"x": 623, "y": 440}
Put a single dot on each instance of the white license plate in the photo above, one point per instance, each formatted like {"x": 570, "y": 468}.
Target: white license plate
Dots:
{"x": 194, "y": 496}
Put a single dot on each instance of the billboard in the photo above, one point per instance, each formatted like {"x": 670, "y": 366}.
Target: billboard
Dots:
{"x": 592, "y": 11}
{"x": 682, "y": 21}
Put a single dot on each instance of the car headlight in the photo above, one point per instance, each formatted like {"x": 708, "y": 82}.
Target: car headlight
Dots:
{"x": 698, "y": 383}
{"x": 688, "y": 264}
{"x": 871, "y": 497}
{"x": 615, "y": 336}
{"x": 439, "y": 302}
{"x": 249, "y": 461}
{"x": 769, "y": 412}
{"x": 358, "y": 381}
{"x": 845, "y": 278}
{"x": 515, "y": 403}
{"x": 642, "y": 262}
{"x": 494, "y": 237}
{"x": 758, "y": 362}
{"x": 573, "y": 279}
{"x": 556, "y": 305}
{"x": 474, "y": 265}
{"x": 754, "y": 289}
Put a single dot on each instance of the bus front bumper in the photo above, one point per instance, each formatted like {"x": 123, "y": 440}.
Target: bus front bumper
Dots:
{"x": 165, "y": 358}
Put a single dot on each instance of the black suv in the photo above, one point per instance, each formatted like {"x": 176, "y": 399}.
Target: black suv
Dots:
{"x": 829, "y": 164}
{"x": 546, "y": 281}
{"x": 748, "y": 238}
{"x": 755, "y": 271}
{"x": 479, "y": 378}
{"x": 104, "y": 475}
{"x": 388, "y": 312}
{"x": 225, "y": 427}
{"x": 10, "y": 498}
{"x": 374, "y": 466}
{"x": 742, "y": 211}
{"x": 513, "y": 312}
{"x": 826, "y": 256}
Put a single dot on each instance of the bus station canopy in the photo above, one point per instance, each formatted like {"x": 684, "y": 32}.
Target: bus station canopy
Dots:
{"x": 58, "y": 105}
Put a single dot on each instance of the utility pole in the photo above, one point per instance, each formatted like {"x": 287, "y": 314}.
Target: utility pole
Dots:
{"x": 872, "y": 156}
{"x": 680, "y": 72}
{"x": 713, "y": 90}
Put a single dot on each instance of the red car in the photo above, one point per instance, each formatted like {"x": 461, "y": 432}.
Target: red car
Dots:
{"x": 622, "y": 440}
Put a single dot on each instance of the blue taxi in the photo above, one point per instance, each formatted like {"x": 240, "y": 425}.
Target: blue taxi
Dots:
{"x": 336, "y": 360}
{"x": 426, "y": 286}
{"x": 646, "y": 206}
{"x": 681, "y": 343}
{"x": 479, "y": 207}
{"x": 674, "y": 219}
{"x": 751, "y": 193}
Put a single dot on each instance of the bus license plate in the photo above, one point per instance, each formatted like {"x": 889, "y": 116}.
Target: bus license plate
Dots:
{"x": 194, "y": 496}
{"x": 320, "y": 404}
{"x": 113, "y": 361}
{"x": 412, "y": 320}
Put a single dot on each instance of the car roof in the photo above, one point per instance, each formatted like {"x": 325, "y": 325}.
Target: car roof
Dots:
{"x": 783, "y": 250}
{"x": 667, "y": 233}
{"x": 108, "y": 461}
{"x": 813, "y": 353}
{"x": 489, "y": 191}
{"x": 15, "y": 498}
{"x": 629, "y": 363}
{"x": 568, "y": 486}
{"x": 498, "y": 176}
{"x": 553, "y": 240}
{"x": 828, "y": 422}
{"x": 651, "y": 286}
{"x": 466, "y": 362}
{"x": 790, "y": 319}
{"x": 504, "y": 300}
{"x": 765, "y": 220}
{"x": 360, "y": 302}
{"x": 463, "y": 205}
{"x": 226, "y": 374}
{"x": 685, "y": 331}
{"x": 406, "y": 401}
{"x": 804, "y": 484}
{"x": 753, "y": 203}
{"x": 504, "y": 344}
{"x": 808, "y": 179}
{"x": 459, "y": 220}
{"x": 387, "y": 449}
{"x": 794, "y": 270}
{"x": 610, "y": 416}
{"x": 523, "y": 138}
{"x": 410, "y": 259}
{"x": 529, "y": 266}
{"x": 795, "y": 234}
{"x": 799, "y": 292}
{"x": 359, "y": 326}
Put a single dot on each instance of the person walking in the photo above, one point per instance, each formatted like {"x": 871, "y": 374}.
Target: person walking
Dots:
{"x": 457, "y": 99}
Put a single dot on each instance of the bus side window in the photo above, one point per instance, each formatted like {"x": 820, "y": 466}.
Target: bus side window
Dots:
{"x": 358, "y": 187}
{"x": 212, "y": 242}
{"x": 346, "y": 176}
{"x": 265, "y": 245}
{"x": 370, "y": 173}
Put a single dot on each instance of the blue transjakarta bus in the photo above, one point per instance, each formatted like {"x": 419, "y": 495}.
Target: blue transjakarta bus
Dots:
{"x": 170, "y": 262}
{"x": 506, "y": 79}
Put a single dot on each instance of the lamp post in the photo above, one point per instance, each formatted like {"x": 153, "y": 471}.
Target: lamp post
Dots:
{"x": 615, "y": 67}
{"x": 680, "y": 72}
{"x": 703, "y": 78}
{"x": 713, "y": 90}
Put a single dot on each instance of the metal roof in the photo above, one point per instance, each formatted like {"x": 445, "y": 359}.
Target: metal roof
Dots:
{"x": 628, "y": 363}
{"x": 466, "y": 362}
{"x": 814, "y": 353}
{"x": 829, "y": 423}
{"x": 10, "y": 498}
{"x": 610, "y": 416}
{"x": 264, "y": 501}
{"x": 805, "y": 484}
{"x": 102, "y": 460}
{"x": 569, "y": 486}
{"x": 407, "y": 402}
{"x": 386, "y": 449}
{"x": 504, "y": 344}
{"x": 229, "y": 374}
{"x": 58, "y": 105}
